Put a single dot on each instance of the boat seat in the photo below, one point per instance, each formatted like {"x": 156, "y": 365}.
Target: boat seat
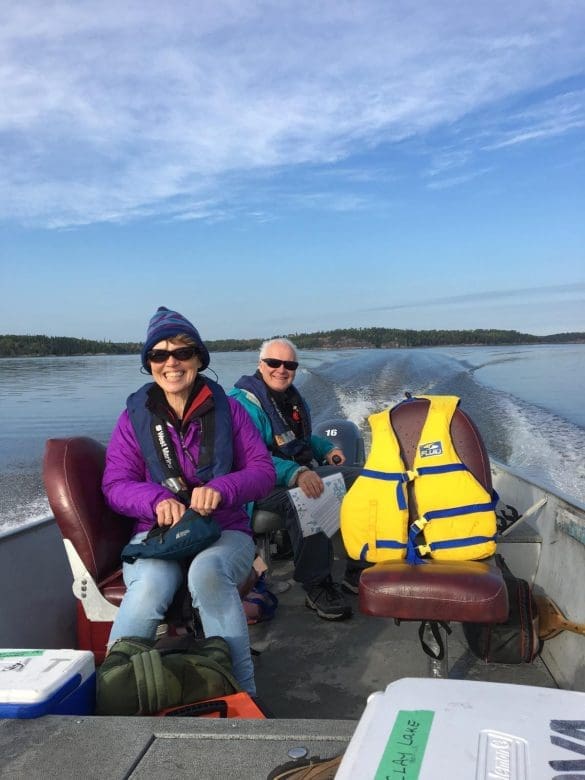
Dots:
{"x": 264, "y": 524}
{"x": 93, "y": 536}
{"x": 437, "y": 592}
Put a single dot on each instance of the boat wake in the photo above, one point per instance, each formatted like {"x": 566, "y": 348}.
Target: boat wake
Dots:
{"x": 22, "y": 497}
{"x": 546, "y": 448}
{"x": 539, "y": 444}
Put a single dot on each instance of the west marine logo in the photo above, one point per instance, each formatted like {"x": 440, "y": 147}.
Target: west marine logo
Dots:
{"x": 430, "y": 449}
{"x": 180, "y": 534}
{"x": 163, "y": 445}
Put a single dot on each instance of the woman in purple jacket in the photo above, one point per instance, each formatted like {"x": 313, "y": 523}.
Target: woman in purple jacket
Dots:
{"x": 182, "y": 442}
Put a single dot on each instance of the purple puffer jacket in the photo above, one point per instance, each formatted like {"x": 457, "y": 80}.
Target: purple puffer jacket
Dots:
{"x": 129, "y": 490}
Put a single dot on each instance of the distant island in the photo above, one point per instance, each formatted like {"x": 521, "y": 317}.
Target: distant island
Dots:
{"x": 346, "y": 338}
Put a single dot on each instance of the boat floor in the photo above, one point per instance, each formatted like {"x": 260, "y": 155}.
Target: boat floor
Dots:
{"x": 313, "y": 668}
{"x": 314, "y": 677}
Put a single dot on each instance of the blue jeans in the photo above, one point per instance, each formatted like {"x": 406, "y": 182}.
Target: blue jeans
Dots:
{"x": 213, "y": 580}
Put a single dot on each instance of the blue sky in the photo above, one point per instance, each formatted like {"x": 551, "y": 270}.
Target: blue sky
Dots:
{"x": 282, "y": 167}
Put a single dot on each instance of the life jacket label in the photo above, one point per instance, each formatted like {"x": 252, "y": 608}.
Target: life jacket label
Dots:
{"x": 431, "y": 449}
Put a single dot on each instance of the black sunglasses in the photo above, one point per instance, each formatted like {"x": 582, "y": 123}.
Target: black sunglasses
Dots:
{"x": 290, "y": 365}
{"x": 162, "y": 355}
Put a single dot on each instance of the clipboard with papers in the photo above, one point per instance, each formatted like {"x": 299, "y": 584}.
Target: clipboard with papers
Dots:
{"x": 320, "y": 514}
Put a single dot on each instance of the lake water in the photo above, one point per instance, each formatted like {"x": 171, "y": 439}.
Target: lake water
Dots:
{"x": 526, "y": 400}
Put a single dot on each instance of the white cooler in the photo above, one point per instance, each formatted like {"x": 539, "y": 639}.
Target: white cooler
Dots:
{"x": 46, "y": 682}
{"x": 430, "y": 729}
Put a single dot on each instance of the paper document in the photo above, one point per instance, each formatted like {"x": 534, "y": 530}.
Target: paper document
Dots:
{"x": 320, "y": 514}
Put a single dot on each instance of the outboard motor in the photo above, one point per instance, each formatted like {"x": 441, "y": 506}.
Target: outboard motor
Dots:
{"x": 345, "y": 435}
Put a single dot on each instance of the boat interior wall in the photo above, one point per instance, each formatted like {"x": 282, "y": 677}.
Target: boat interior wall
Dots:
{"x": 37, "y": 607}
{"x": 438, "y": 592}
{"x": 560, "y": 566}
{"x": 560, "y": 577}
{"x": 521, "y": 550}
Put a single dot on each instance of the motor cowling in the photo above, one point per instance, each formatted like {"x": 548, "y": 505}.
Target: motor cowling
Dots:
{"x": 345, "y": 435}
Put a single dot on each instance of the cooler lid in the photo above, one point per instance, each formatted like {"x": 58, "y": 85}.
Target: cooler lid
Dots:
{"x": 419, "y": 729}
{"x": 29, "y": 676}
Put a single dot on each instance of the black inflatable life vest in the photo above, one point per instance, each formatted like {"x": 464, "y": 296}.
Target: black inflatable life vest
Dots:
{"x": 215, "y": 449}
{"x": 285, "y": 444}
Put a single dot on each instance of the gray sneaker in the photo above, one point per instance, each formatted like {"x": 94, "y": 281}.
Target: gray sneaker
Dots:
{"x": 326, "y": 599}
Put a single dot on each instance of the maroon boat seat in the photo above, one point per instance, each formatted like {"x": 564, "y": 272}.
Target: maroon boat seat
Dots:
{"x": 93, "y": 535}
{"x": 436, "y": 592}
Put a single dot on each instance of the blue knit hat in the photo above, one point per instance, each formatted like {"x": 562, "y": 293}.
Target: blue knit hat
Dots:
{"x": 166, "y": 324}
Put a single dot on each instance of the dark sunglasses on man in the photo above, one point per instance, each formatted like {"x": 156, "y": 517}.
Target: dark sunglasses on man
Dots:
{"x": 290, "y": 365}
{"x": 181, "y": 353}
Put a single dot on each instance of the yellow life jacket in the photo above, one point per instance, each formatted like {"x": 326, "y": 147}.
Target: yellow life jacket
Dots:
{"x": 455, "y": 513}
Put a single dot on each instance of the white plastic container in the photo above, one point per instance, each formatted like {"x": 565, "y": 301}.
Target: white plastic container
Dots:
{"x": 430, "y": 729}
{"x": 46, "y": 682}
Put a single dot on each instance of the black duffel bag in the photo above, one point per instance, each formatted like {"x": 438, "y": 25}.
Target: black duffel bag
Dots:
{"x": 516, "y": 641}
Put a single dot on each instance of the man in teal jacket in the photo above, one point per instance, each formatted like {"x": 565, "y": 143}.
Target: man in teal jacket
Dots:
{"x": 282, "y": 416}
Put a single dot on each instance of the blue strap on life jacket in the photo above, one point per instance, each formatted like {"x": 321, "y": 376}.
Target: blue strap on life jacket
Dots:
{"x": 446, "y": 468}
{"x": 413, "y": 550}
{"x": 413, "y": 555}
{"x": 437, "y": 514}
{"x": 215, "y": 458}
{"x": 467, "y": 541}
{"x": 383, "y": 544}
{"x": 400, "y": 477}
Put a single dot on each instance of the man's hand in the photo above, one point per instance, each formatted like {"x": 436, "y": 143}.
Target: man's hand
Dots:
{"x": 205, "y": 500}
{"x": 169, "y": 511}
{"x": 335, "y": 457}
{"x": 310, "y": 483}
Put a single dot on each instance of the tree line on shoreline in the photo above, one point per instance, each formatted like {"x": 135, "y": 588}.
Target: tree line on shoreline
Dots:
{"x": 346, "y": 338}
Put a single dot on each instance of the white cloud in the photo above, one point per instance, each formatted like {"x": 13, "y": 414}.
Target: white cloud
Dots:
{"x": 454, "y": 181}
{"x": 538, "y": 310}
{"x": 552, "y": 117}
{"x": 549, "y": 294}
{"x": 109, "y": 111}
